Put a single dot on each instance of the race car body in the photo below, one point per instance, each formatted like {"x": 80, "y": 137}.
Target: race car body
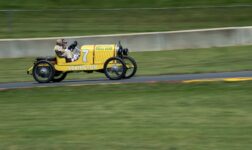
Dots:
{"x": 110, "y": 59}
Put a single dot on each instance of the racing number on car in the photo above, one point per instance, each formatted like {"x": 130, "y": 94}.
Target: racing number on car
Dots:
{"x": 85, "y": 53}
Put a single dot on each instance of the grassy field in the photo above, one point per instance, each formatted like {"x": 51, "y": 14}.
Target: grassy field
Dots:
{"x": 78, "y": 22}
{"x": 161, "y": 116}
{"x": 154, "y": 63}
{"x": 31, "y": 4}
{"x": 133, "y": 116}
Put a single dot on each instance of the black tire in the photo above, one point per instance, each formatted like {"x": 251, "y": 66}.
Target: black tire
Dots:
{"x": 114, "y": 72}
{"x": 59, "y": 76}
{"x": 43, "y": 72}
{"x": 131, "y": 67}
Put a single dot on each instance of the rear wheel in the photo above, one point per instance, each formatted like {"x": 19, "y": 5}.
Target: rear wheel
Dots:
{"x": 59, "y": 76}
{"x": 114, "y": 68}
{"x": 43, "y": 72}
{"x": 131, "y": 66}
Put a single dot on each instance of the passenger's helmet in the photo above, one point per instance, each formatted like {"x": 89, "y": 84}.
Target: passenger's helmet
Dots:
{"x": 64, "y": 41}
{"x": 61, "y": 42}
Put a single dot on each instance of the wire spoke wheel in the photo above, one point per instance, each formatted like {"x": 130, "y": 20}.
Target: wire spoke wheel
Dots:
{"x": 131, "y": 66}
{"x": 114, "y": 68}
{"x": 43, "y": 72}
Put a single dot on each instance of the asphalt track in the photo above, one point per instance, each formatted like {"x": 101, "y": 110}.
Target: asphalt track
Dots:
{"x": 185, "y": 78}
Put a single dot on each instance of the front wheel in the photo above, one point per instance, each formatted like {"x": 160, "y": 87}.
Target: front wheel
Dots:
{"x": 131, "y": 66}
{"x": 114, "y": 68}
{"x": 43, "y": 72}
{"x": 59, "y": 76}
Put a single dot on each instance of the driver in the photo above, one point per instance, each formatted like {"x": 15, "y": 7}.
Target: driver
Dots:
{"x": 61, "y": 50}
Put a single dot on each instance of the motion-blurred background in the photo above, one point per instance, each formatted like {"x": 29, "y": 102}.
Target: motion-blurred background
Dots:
{"x": 43, "y": 18}
{"x": 144, "y": 116}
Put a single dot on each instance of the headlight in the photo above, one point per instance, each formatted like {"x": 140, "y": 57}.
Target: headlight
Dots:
{"x": 125, "y": 51}
{"x": 121, "y": 51}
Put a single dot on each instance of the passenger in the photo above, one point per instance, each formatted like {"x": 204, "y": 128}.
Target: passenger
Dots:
{"x": 61, "y": 50}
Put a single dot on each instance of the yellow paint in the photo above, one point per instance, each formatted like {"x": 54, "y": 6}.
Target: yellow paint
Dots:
{"x": 29, "y": 71}
{"x": 219, "y": 79}
{"x": 92, "y": 57}
{"x": 103, "y": 52}
{"x": 238, "y": 79}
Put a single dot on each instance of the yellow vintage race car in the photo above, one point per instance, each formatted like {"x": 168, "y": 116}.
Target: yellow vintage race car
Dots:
{"x": 112, "y": 60}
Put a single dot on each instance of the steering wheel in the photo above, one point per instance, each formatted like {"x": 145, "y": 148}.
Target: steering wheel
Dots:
{"x": 72, "y": 46}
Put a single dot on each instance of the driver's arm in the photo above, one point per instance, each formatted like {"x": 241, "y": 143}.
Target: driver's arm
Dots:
{"x": 73, "y": 45}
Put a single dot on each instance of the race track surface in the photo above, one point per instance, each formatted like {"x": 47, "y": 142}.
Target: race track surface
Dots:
{"x": 138, "y": 79}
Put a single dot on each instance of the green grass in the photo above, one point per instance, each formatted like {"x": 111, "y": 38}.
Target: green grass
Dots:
{"x": 132, "y": 116}
{"x": 76, "y": 22}
{"x": 32, "y": 4}
{"x": 195, "y": 60}
{"x": 154, "y": 63}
